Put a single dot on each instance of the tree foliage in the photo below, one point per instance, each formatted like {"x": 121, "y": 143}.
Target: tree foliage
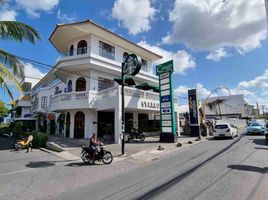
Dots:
{"x": 3, "y": 108}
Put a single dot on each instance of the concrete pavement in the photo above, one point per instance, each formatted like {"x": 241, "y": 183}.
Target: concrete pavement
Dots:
{"x": 70, "y": 149}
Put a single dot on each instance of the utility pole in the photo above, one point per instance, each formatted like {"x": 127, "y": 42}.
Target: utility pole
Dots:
{"x": 258, "y": 109}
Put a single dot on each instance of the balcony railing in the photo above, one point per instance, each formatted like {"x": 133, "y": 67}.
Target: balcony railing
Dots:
{"x": 74, "y": 52}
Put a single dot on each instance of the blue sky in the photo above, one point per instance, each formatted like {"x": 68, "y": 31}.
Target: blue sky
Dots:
{"x": 213, "y": 42}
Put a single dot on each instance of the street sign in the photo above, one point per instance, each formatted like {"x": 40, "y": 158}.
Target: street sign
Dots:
{"x": 166, "y": 123}
{"x": 167, "y": 114}
{"x": 165, "y": 105}
{"x": 166, "y": 117}
{"x": 165, "y": 67}
{"x": 165, "y": 98}
{"x": 193, "y": 107}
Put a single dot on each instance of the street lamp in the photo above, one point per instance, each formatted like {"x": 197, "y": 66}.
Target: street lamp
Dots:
{"x": 131, "y": 66}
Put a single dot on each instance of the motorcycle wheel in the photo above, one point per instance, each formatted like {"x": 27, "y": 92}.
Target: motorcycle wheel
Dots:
{"x": 142, "y": 137}
{"x": 18, "y": 147}
{"x": 107, "y": 158}
{"x": 85, "y": 158}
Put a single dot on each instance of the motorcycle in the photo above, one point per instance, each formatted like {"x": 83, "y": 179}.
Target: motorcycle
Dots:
{"x": 23, "y": 144}
{"x": 103, "y": 155}
{"x": 134, "y": 134}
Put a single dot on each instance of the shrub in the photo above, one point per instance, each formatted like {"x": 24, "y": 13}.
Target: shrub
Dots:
{"x": 4, "y": 128}
{"x": 16, "y": 129}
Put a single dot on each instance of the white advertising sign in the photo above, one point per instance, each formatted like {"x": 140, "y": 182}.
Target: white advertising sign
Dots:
{"x": 164, "y": 81}
{"x": 165, "y": 105}
{"x": 166, "y": 129}
{"x": 166, "y": 117}
{"x": 164, "y": 93}
{"x": 166, "y": 123}
{"x": 165, "y": 87}
{"x": 164, "y": 75}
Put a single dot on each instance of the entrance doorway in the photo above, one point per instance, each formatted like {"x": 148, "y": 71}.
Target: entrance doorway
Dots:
{"x": 61, "y": 120}
{"x": 68, "y": 123}
{"x": 143, "y": 122}
{"x": 106, "y": 126}
{"x": 79, "y": 125}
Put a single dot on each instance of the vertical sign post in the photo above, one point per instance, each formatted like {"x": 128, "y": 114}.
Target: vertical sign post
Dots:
{"x": 167, "y": 114}
{"x": 194, "y": 113}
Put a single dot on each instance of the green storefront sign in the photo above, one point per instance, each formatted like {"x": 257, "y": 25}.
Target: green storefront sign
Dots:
{"x": 167, "y": 113}
{"x": 165, "y": 67}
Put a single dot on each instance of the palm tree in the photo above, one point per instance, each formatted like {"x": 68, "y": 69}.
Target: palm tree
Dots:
{"x": 10, "y": 67}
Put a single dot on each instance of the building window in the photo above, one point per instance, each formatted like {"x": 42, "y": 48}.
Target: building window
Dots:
{"x": 125, "y": 55}
{"x": 44, "y": 102}
{"x": 106, "y": 50}
{"x": 144, "y": 65}
{"x": 82, "y": 47}
{"x": 69, "y": 86}
{"x": 71, "y": 52}
{"x": 80, "y": 84}
{"x": 104, "y": 83}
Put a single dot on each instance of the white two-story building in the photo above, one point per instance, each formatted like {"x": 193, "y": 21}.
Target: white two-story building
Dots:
{"x": 80, "y": 93}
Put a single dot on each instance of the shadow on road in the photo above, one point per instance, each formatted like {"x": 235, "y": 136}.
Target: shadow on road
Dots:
{"x": 261, "y": 148}
{"x": 259, "y": 141}
{"x": 77, "y": 164}
{"x": 41, "y": 164}
{"x": 6, "y": 143}
{"x": 249, "y": 168}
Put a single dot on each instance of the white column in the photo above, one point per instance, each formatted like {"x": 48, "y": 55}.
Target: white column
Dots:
{"x": 72, "y": 113}
{"x": 118, "y": 118}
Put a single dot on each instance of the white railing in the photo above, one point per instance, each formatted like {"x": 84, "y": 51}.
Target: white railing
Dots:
{"x": 110, "y": 92}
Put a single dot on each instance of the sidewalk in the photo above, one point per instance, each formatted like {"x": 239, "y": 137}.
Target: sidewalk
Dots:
{"x": 70, "y": 149}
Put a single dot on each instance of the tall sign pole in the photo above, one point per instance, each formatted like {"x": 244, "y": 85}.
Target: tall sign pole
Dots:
{"x": 130, "y": 66}
{"x": 167, "y": 113}
{"x": 194, "y": 113}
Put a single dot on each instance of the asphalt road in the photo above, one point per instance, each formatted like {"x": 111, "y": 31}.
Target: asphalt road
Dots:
{"x": 216, "y": 169}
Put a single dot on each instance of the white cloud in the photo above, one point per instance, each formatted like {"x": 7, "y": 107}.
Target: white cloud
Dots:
{"x": 213, "y": 24}
{"x": 32, "y": 74}
{"x": 259, "y": 82}
{"x": 7, "y": 15}
{"x": 34, "y": 7}
{"x": 183, "y": 91}
{"x": 64, "y": 18}
{"x": 182, "y": 59}
{"x": 217, "y": 55}
{"x": 135, "y": 15}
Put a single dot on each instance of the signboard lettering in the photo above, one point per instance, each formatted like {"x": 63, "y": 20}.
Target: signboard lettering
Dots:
{"x": 165, "y": 105}
{"x": 164, "y": 81}
{"x": 165, "y": 98}
{"x": 166, "y": 123}
{"x": 166, "y": 110}
{"x": 166, "y": 117}
{"x": 165, "y": 67}
{"x": 193, "y": 107}
{"x": 145, "y": 104}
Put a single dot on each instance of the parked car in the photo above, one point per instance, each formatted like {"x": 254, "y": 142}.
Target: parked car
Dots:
{"x": 256, "y": 128}
{"x": 266, "y": 132}
{"x": 225, "y": 130}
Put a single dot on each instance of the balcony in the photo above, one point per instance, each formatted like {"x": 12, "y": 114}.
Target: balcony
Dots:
{"x": 74, "y": 100}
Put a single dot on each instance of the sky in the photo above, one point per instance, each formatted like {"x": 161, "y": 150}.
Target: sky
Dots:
{"x": 214, "y": 43}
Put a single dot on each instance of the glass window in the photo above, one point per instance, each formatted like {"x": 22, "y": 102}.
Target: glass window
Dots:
{"x": 104, "y": 83}
{"x": 44, "y": 102}
{"x": 106, "y": 50}
{"x": 82, "y": 47}
{"x": 71, "y": 52}
{"x": 222, "y": 126}
{"x": 144, "y": 65}
{"x": 80, "y": 84}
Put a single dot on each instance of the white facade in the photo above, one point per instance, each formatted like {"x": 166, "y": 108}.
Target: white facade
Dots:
{"x": 233, "y": 106}
{"x": 91, "y": 58}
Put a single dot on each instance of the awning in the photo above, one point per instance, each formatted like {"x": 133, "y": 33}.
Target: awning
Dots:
{"x": 156, "y": 89}
{"x": 147, "y": 86}
{"x": 128, "y": 80}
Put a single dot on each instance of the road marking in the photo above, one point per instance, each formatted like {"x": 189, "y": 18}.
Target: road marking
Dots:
{"x": 15, "y": 172}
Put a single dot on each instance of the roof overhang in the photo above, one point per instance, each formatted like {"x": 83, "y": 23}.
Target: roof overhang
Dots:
{"x": 64, "y": 34}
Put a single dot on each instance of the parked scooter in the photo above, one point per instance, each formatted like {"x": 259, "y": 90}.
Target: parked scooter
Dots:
{"x": 103, "y": 155}
{"x": 134, "y": 134}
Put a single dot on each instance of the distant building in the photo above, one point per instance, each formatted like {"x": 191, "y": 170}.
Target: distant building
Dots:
{"x": 233, "y": 106}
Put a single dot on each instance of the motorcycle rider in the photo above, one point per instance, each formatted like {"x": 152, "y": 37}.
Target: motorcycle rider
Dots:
{"x": 94, "y": 143}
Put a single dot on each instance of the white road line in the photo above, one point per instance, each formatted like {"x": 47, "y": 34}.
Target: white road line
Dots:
{"x": 15, "y": 172}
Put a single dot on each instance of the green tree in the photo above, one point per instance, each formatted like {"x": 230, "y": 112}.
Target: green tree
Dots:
{"x": 3, "y": 108}
{"x": 10, "y": 67}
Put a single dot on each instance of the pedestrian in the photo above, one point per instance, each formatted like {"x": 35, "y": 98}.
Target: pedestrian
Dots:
{"x": 29, "y": 143}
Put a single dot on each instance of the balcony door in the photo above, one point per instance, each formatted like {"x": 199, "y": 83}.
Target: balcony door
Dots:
{"x": 80, "y": 84}
{"x": 79, "y": 125}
